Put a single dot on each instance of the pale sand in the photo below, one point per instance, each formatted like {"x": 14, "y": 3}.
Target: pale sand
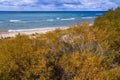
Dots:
{"x": 13, "y": 34}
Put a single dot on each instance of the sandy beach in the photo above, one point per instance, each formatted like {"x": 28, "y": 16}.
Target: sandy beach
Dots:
{"x": 29, "y": 32}
{"x": 13, "y": 34}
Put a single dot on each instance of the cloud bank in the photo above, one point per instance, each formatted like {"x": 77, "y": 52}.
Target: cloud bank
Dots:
{"x": 58, "y": 5}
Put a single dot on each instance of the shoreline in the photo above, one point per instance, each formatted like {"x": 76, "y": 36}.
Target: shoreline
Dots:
{"x": 13, "y": 33}
{"x": 6, "y": 34}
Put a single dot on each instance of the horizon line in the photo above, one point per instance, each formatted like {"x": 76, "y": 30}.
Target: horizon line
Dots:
{"x": 46, "y": 11}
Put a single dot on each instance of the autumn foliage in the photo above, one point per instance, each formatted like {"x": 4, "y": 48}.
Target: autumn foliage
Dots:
{"x": 81, "y": 52}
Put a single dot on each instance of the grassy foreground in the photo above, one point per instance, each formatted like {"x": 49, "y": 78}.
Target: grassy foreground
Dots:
{"x": 81, "y": 52}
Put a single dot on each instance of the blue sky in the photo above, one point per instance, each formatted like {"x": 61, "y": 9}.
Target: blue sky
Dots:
{"x": 58, "y": 5}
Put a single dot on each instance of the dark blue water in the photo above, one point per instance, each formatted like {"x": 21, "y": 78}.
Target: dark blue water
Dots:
{"x": 36, "y": 20}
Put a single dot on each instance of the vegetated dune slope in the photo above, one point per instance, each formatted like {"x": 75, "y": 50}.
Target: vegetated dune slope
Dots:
{"x": 81, "y": 52}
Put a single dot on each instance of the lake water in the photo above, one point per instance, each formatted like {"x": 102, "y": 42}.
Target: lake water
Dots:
{"x": 28, "y": 20}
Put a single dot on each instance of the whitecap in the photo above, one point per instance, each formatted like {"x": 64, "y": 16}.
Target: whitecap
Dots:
{"x": 68, "y": 19}
{"x": 36, "y": 29}
{"x": 50, "y": 20}
{"x": 13, "y": 21}
{"x": 58, "y": 18}
{"x": 19, "y": 30}
{"x": 88, "y": 17}
{"x": 26, "y": 30}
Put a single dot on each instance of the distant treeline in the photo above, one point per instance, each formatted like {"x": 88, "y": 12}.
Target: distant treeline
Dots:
{"x": 81, "y": 52}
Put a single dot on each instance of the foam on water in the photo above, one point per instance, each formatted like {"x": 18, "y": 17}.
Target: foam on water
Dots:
{"x": 68, "y": 19}
{"x": 13, "y": 21}
{"x": 50, "y": 20}
{"x": 24, "y": 30}
{"x": 23, "y": 21}
{"x": 58, "y": 18}
{"x": 88, "y": 17}
{"x": 35, "y": 29}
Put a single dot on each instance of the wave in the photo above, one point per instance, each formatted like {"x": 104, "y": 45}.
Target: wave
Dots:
{"x": 23, "y": 30}
{"x": 29, "y": 21}
{"x": 23, "y": 21}
{"x": 50, "y": 20}
{"x": 13, "y": 21}
{"x": 0, "y": 21}
{"x": 58, "y": 18}
{"x": 68, "y": 19}
{"x": 36, "y": 29}
{"x": 88, "y": 17}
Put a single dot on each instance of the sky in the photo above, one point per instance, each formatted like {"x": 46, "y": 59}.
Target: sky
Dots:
{"x": 58, "y": 5}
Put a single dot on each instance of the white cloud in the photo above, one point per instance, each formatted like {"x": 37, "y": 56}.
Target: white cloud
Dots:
{"x": 58, "y": 4}
{"x": 17, "y": 2}
{"x": 93, "y": 5}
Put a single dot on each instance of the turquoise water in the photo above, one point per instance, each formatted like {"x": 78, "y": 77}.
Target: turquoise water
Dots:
{"x": 41, "y": 20}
